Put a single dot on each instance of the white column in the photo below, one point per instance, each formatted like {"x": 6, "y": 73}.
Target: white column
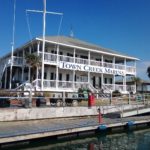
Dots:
{"x": 22, "y": 77}
{"x": 38, "y": 50}
{"x": 29, "y": 72}
{"x": 5, "y": 78}
{"x": 102, "y": 75}
{"x": 135, "y": 66}
{"x": 102, "y": 60}
{"x": 89, "y": 58}
{"x": 74, "y": 60}
{"x": 124, "y": 81}
{"x": 114, "y": 80}
{"x": 57, "y": 67}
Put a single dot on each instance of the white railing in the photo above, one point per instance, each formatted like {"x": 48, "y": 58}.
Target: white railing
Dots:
{"x": 130, "y": 69}
{"x": 49, "y": 57}
{"x": 107, "y": 88}
{"x": 96, "y": 63}
{"x": 120, "y": 67}
{"x": 49, "y": 83}
{"x": 66, "y": 58}
{"x": 65, "y": 84}
{"x": 52, "y": 58}
{"x": 108, "y": 65}
{"x": 18, "y": 61}
{"x": 119, "y": 87}
{"x": 81, "y": 61}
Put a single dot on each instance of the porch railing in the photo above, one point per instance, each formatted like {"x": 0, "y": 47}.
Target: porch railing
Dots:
{"x": 52, "y": 58}
{"x": 107, "y": 88}
{"x": 119, "y": 87}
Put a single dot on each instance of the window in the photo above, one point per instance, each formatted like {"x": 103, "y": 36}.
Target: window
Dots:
{"x": 68, "y": 54}
{"x": 52, "y": 76}
{"x": 67, "y": 77}
{"x": 45, "y": 75}
{"x": 84, "y": 57}
{"x": 60, "y": 53}
{"x": 60, "y": 76}
{"x": 105, "y": 80}
{"x": 54, "y": 52}
{"x": 111, "y": 81}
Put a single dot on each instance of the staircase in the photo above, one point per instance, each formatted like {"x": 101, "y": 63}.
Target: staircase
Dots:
{"x": 3, "y": 65}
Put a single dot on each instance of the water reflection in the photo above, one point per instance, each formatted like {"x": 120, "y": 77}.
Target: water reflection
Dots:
{"x": 137, "y": 140}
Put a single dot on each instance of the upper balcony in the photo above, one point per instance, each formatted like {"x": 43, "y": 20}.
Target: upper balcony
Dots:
{"x": 52, "y": 59}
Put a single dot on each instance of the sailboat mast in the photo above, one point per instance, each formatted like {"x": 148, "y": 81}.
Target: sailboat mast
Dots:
{"x": 12, "y": 44}
{"x": 43, "y": 46}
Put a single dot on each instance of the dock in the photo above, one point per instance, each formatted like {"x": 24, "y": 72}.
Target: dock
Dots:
{"x": 15, "y": 131}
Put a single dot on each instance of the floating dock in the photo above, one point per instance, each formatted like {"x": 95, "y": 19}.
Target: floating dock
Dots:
{"x": 15, "y": 131}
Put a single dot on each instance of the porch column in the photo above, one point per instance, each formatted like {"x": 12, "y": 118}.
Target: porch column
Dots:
{"x": 29, "y": 72}
{"x": 74, "y": 60}
{"x": 102, "y": 75}
{"x": 89, "y": 55}
{"x": 124, "y": 80}
{"x": 135, "y": 66}
{"x": 114, "y": 79}
{"x": 102, "y": 60}
{"x": 38, "y": 50}
{"x": 5, "y": 78}
{"x": 57, "y": 67}
{"x": 22, "y": 75}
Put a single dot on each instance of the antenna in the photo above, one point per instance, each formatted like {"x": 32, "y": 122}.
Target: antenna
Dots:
{"x": 71, "y": 32}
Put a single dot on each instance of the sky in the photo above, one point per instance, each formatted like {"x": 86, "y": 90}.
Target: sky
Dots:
{"x": 121, "y": 25}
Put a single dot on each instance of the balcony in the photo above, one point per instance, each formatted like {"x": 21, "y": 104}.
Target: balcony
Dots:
{"x": 70, "y": 85}
{"x": 51, "y": 59}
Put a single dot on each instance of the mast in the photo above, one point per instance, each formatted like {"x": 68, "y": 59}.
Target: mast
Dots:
{"x": 43, "y": 47}
{"x": 43, "y": 38}
{"x": 12, "y": 45}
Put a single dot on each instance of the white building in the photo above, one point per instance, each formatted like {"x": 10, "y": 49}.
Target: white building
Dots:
{"x": 69, "y": 64}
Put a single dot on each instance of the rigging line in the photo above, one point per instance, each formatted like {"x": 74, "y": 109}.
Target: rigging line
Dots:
{"x": 29, "y": 30}
{"x": 58, "y": 33}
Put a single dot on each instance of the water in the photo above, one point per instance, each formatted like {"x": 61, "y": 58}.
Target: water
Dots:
{"x": 133, "y": 140}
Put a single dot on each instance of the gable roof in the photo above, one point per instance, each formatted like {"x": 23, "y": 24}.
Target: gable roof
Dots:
{"x": 73, "y": 42}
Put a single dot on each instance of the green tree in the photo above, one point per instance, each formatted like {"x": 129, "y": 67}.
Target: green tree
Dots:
{"x": 33, "y": 61}
{"x": 137, "y": 81}
{"x": 148, "y": 71}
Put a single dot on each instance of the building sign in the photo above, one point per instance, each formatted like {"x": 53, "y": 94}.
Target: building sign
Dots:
{"x": 90, "y": 68}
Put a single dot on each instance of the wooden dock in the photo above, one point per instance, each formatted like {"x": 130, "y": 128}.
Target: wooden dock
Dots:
{"x": 33, "y": 129}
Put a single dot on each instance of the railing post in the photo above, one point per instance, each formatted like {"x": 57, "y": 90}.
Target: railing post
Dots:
{"x": 129, "y": 99}
{"x": 63, "y": 98}
{"x": 110, "y": 98}
{"x": 30, "y": 97}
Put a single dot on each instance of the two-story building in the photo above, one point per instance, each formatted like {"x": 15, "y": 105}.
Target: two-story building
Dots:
{"x": 68, "y": 64}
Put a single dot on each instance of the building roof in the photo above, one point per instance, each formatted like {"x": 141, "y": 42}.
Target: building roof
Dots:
{"x": 76, "y": 43}
{"x": 73, "y": 42}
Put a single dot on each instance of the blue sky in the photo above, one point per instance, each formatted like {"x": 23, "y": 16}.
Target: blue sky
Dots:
{"x": 122, "y": 25}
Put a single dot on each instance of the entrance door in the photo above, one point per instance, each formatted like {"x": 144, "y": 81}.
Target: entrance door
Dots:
{"x": 94, "y": 81}
{"x": 100, "y": 83}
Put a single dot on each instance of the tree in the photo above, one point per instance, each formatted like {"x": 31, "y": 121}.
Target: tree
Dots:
{"x": 137, "y": 81}
{"x": 148, "y": 71}
{"x": 33, "y": 61}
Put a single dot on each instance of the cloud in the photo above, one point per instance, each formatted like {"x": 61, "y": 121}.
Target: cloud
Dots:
{"x": 142, "y": 69}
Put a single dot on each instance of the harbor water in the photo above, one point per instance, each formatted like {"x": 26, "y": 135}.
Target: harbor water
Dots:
{"x": 130, "y": 140}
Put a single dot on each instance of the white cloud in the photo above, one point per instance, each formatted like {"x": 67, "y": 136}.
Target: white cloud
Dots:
{"x": 142, "y": 69}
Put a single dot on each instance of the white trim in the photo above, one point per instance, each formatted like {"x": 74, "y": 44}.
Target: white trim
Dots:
{"x": 87, "y": 49}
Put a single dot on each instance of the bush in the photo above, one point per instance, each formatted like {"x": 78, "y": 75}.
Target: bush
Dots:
{"x": 116, "y": 93}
